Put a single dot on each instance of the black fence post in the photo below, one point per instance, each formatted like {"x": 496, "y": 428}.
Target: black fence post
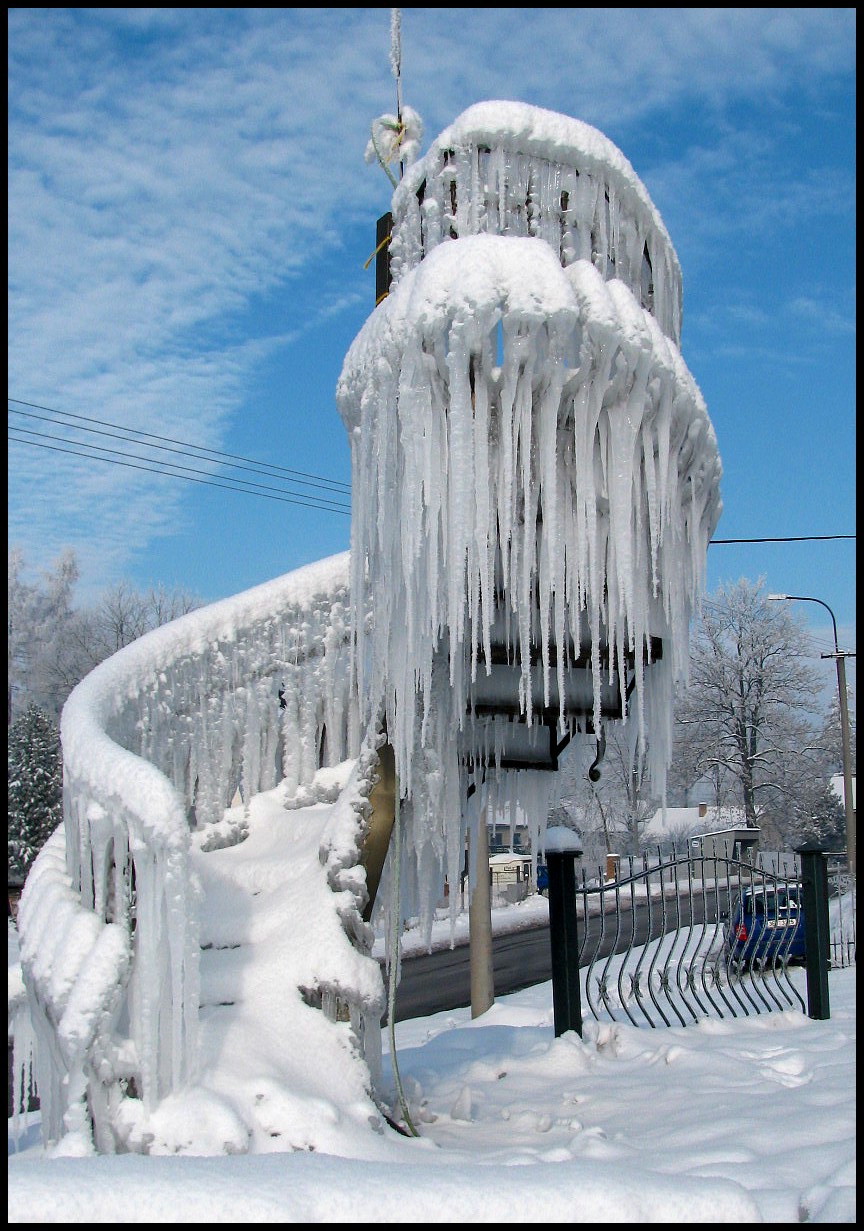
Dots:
{"x": 564, "y": 940}
{"x": 814, "y": 879}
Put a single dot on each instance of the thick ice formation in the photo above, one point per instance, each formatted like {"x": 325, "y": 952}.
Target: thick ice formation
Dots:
{"x": 504, "y": 168}
{"x": 531, "y": 458}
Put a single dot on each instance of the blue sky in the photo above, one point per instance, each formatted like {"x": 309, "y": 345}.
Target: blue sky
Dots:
{"x": 190, "y": 214}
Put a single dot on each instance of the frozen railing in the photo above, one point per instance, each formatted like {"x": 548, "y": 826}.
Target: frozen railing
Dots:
{"x": 239, "y": 695}
{"x": 506, "y": 168}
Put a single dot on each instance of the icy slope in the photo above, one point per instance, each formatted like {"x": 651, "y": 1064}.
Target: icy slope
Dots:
{"x": 274, "y": 1072}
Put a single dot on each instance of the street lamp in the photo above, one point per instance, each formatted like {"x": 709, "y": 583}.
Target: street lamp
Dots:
{"x": 839, "y": 657}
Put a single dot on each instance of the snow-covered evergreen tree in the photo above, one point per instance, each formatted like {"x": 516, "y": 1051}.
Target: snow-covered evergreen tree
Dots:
{"x": 35, "y": 787}
{"x": 818, "y": 814}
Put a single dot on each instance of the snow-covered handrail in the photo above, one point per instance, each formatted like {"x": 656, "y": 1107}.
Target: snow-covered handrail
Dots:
{"x": 156, "y": 740}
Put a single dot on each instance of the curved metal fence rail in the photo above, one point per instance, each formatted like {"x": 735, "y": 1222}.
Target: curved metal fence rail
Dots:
{"x": 667, "y": 943}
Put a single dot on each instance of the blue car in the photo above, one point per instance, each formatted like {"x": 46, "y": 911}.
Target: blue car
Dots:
{"x": 767, "y": 925}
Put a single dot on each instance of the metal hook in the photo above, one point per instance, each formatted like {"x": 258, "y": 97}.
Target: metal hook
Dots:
{"x": 594, "y": 770}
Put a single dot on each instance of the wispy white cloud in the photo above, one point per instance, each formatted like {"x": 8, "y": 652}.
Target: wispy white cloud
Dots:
{"x": 823, "y": 313}
{"x": 738, "y": 192}
{"x": 795, "y": 333}
{"x": 171, "y": 168}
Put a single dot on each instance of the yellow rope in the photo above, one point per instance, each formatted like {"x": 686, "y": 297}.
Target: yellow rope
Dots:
{"x": 385, "y": 240}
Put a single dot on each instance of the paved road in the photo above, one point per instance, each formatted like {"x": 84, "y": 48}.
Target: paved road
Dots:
{"x": 433, "y": 982}
{"x": 436, "y": 982}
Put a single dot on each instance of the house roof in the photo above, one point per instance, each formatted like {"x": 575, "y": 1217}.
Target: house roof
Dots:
{"x": 684, "y": 822}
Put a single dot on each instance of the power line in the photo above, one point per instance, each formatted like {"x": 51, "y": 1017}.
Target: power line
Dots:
{"x": 137, "y": 432}
{"x": 161, "y": 469}
{"x": 175, "y": 465}
{"x": 262, "y": 468}
{"x": 30, "y": 432}
{"x": 306, "y": 479}
{"x": 796, "y": 538}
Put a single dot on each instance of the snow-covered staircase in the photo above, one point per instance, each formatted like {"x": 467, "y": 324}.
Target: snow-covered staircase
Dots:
{"x": 198, "y": 977}
{"x": 275, "y": 1072}
{"x": 529, "y": 452}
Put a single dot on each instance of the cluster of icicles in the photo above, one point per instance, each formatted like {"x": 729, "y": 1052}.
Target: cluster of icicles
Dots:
{"x": 522, "y": 434}
{"x": 267, "y": 705}
{"x": 515, "y": 170}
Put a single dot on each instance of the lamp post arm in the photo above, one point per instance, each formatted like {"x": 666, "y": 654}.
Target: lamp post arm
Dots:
{"x": 851, "y": 844}
{"x": 801, "y": 598}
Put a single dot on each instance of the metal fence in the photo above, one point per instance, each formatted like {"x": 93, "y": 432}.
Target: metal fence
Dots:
{"x": 842, "y": 900}
{"x": 679, "y": 937}
{"x": 841, "y": 912}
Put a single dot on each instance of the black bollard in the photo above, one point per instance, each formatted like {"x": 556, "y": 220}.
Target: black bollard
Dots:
{"x": 564, "y": 940}
{"x": 814, "y": 879}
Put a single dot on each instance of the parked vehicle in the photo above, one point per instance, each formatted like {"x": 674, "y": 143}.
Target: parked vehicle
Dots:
{"x": 766, "y": 924}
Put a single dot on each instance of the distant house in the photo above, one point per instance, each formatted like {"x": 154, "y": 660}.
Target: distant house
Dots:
{"x": 680, "y": 824}
{"x": 837, "y": 788}
{"x": 508, "y": 868}
{"x": 504, "y": 836}
{"x": 15, "y": 883}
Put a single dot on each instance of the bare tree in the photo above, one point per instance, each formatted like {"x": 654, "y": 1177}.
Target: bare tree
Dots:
{"x": 621, "y": 792}
{"x": 747, "y": 712}
{"x": 52, "y": 645}
{"x": 165, "y": 605}
{"x": 39, "y": 615}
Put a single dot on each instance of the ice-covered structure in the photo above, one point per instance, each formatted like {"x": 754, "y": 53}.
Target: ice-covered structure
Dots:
{"x": 535, "y": 482}
{"x": 535, "y": 475}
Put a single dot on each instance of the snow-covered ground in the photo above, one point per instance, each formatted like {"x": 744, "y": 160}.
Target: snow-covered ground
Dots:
{"x": 729, "y": 1121}
{"x": 747, "y": 1121}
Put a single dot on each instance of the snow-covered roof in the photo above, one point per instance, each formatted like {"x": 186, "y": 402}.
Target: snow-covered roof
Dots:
{"x": 680, "y": 822}
{"x": 506, "y": 858}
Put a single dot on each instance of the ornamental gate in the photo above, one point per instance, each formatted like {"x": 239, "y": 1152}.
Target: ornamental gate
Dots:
{"x": 690, "y": 935}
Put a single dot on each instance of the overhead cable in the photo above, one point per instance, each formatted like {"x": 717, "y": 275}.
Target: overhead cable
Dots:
{"x": 162, "y": 468}
{"x": 134, "y": 433}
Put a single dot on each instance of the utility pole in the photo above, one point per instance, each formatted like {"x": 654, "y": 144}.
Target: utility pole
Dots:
{"x": 480, "y": 924}
{"x": 840, "y": 657}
